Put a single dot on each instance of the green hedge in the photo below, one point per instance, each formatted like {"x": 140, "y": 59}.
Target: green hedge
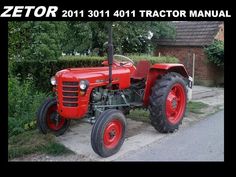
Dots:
{"x": 136, "y": 58}
{"x": 41, "y": 71}
{"x": 153, "y": 59}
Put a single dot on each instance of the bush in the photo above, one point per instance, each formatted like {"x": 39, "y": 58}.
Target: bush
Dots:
{"x": 41, "y": 71}
{"x": 153, "y": 59}
{"x": 35, "y": 40}
{"x": 215, "y": 53}
{"x": 23, "y": 102}
{"x": 90, "y": 61}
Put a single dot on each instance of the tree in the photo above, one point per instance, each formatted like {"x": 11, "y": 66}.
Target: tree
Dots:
{"x": 35, "y": 40}
{"x": 215, "y": 53}
{"x": 76, "y": 38}
{"x": 135, "y": 37}
{"x": 44, "y": 40}
{"x": 128, "y": 36}
{"x": 18, "y": 38}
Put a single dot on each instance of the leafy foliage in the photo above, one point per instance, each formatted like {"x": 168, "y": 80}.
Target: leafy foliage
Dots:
{"x": 23, "y": 102}
{"x": 43, "y": 40}
{"x": 128, "y": 36}
{"x": 136, "y": 37}
{"x": 35, "y": 40}
{"x": 76, "y": 38}
{"x": 215, "y": 53}
{"x": 153, "y": 60}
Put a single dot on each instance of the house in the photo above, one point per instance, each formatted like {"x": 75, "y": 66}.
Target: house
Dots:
{"x": 191, "y": 38}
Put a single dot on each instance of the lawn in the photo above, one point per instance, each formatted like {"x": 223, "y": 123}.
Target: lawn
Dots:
{"x": 33, "y": 142}
{"x": 143, "y": 115}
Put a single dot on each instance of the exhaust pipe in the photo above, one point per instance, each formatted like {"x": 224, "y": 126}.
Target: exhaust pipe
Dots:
{"x": 110, "y": 53}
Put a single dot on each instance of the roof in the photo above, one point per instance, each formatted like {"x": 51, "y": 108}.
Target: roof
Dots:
{"x": 192, "y": 33}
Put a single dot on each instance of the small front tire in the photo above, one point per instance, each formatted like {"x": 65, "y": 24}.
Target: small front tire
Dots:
{"x": 49, "y": 121}
{"x": 108, "y": 133}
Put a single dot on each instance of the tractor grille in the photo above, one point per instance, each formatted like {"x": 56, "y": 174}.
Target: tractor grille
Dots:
{"x": 70, "y": 94}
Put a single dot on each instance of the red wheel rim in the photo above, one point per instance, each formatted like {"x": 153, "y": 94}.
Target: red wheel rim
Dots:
{"x": 175, "y": 103}
{"x": 112, "y": 134}
{"x": 51, "y": 119}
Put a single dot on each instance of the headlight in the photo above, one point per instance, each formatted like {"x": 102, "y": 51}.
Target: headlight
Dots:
{"x": 83, "y": 85}
{"x": 53, "y": 80}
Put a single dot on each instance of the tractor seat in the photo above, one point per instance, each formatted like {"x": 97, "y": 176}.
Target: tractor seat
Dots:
{"x": 142, "y": 70}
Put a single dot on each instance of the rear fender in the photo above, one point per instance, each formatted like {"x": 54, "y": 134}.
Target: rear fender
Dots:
{"x": 156, "y": 71}
{"x": 178, "y": 68}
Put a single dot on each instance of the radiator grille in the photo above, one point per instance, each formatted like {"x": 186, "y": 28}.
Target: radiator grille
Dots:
{"x": 70, "y": 94}
{"x": 70, "y": 83}
{"x": 70, "y": 88}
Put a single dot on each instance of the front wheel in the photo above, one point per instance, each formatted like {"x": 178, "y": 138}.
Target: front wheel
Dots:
{"x": 108, "y": 132}
{"x": 168, "y": 102}
{"x": 48, "y": 120}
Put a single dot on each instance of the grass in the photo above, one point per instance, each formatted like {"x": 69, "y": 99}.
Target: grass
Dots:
{"x": 139, "y": 115}
{"x": 195, "y": 107}
{"x": 33, "y": 142}
{"x": 143, "y": 115}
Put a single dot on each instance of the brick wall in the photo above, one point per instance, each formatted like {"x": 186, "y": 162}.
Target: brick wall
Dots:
{"x": 205, "y": 72}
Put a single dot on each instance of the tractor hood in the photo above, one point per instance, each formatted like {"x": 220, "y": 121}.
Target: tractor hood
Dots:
{"x": 96, "y": 75}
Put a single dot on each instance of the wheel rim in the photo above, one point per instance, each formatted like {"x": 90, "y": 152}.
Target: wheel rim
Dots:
{"x": 51, "y": 117}
{"x": 175, "y": 103}
{"x": 112, "y": 134}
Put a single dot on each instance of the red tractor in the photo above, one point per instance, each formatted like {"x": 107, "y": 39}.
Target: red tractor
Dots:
{"x": 103, "y": 96}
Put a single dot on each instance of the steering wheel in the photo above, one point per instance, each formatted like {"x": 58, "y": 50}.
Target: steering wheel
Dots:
{"x": 122, "y": 58}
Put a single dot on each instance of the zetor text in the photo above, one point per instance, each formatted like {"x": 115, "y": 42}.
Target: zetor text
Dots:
{"x": 27, "y": 11}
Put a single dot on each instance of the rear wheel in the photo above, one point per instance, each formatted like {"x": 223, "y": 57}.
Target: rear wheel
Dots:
{"x": 48, "y": 120}
{"x": 108, "y": 133}
{"x": 168, "y": 102}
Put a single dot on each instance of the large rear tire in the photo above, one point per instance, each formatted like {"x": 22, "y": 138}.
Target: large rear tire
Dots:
{"x": 108, "y": 133}
{"x": 49, "y": 121}
{"x": 168, "y": 102}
